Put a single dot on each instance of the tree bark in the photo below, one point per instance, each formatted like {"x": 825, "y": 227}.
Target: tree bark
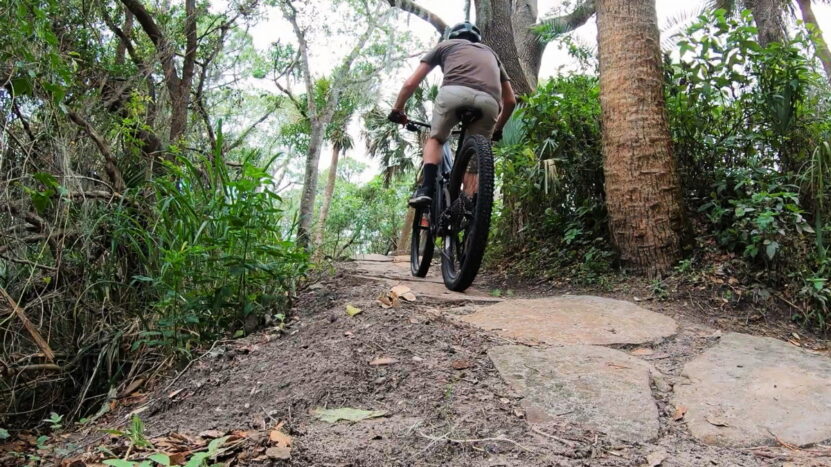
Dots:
{"x": 327, "y": 196}
{"x": 178, "y": 87}
{"x": 769, "y": 20}
{"x": 643, "y": 193}
{"x": 493, "y": 17}
{"x": 403, "y": 246}
{"x": 822, "y": 47}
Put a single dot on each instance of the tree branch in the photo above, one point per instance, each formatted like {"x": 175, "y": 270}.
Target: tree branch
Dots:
{"x": 30, "y": 328}
{"x": 113, "y": 173}
{"x": 251, "y": 128}
{"x": 414, "y": 9}
{"x": 159, "y": 40}
{"x": 567, "y": 23}
{"x": 290, "y": 12}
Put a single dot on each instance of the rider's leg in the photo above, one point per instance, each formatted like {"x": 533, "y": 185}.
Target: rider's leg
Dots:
{"x": 432, "y": 160}
{"x": 444, "y": 119}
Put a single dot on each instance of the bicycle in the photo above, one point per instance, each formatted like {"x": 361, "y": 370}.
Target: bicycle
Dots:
{"x": 460, "y": 213}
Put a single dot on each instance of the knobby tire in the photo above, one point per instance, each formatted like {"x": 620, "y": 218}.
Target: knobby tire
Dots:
{"x": 476, "y": 236}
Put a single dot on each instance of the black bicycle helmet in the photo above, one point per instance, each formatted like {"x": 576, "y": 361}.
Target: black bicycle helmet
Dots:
{"x": 466, "y": 30}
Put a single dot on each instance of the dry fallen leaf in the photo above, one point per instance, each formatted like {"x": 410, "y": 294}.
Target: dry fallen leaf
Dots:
{"x": 642, "y": 351}
{"x": 347, "y": 413}
{"x": 211, "y": 434}
{"x": 461, "y": 364}
{"x": 175, "y": 393}
{"x": 680, "y": 411}
{"x": 352, "y": 310}
{"x": 400, "y": 290}
{"x": 716, "y": 420}
{"x": 656, "y": 458}
{"x": 383, "y": 361}
{"x": 279, "y": 438}
{"x": 385, "y": 302}
{"x": 282, "y": 444}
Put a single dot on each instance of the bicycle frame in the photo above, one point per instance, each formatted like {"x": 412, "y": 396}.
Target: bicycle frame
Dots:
{"x": 448, "y": 158}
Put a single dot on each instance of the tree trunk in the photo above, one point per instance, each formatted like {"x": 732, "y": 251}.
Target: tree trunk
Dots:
{"x": 769, "y": 21}
{"x": 822, "y": 48}
{"x": 643, "y": 194}
{"x": 327, "y": 196}
{"x": 494, "y": 19}
{"x": 403, "y": 247}
{"x": 307, "y": 200}
{"x": 529, "y": 47}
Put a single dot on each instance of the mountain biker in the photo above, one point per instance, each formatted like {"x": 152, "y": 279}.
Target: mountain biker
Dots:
{"x": 473, "y": 77}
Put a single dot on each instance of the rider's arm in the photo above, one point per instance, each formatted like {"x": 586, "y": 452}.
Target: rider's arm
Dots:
{"x": 508, "y": 104}
{"x": 411, "y": 85}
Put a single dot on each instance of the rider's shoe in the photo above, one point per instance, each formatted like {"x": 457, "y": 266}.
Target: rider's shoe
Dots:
{"x": 422, "y": 197}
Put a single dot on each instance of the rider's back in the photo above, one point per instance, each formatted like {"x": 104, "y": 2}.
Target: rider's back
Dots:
{"x": 469, "y": 64}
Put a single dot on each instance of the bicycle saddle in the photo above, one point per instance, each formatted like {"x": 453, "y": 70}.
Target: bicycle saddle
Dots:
{"x": 468, "y": 115}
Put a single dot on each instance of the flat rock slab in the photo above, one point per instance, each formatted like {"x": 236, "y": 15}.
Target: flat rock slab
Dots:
{"x": 374, "y": 257}
{"x": 748, "y": 390}
{"x": 573, "y": 319}
{"x": 437, "y": 291}
{"x": 395, "y": 271}
{"x": 596, "y": 387}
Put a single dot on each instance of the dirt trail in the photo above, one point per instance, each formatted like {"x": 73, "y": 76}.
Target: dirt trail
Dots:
{"x": 444, "y": 399}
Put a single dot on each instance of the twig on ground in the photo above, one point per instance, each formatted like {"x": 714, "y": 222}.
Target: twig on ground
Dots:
{"x": 477, "y": 440}
{"x": 554, "y": 437}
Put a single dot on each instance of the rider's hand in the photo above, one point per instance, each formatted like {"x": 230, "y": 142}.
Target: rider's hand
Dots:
{"x": 397, "y": 116}
{"x": 497, "y": 135}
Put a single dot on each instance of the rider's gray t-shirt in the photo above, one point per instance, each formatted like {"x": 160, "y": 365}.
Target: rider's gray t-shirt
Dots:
{"x": 470, "y": 64}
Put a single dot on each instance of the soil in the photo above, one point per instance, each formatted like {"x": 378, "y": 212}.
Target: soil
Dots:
{"x": 444, "y": 401}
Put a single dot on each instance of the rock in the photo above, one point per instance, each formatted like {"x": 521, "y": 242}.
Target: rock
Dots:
{"x": 374, "y": 257}
{"x": 599, "y": 388}
{"x": 747, "y": 390}
{"x": 278, "y": 453}
{"x": 574, "y": 320}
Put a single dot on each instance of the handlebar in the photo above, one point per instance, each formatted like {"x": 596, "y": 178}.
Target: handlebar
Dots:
{"x": 413, "y": 125}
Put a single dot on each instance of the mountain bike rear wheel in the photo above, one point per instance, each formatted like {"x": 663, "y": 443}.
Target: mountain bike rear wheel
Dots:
{"x": 421, "y": 242}
{"x": 468, "y": 213}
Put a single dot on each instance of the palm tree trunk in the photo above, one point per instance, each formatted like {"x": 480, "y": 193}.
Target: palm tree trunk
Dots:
{"x": 327, "y": 196}
{"x": 822, "y": 48}
{"x": 643, "y": 193}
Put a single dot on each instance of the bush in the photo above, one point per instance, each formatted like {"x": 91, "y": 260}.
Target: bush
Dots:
{"x": 219, "y": 262}
{"x": 550, "y": 170}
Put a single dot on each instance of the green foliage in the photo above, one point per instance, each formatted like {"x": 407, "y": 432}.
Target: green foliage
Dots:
{"x": 754, "y": 213}
{"x": 218, "y": 257}
{"x": 750, "y": 131}
{"x": 54, "y": 421}
{"x": 365, "y": 218}
{"x": 550, "y": 167}
{"x": 136, "y": 439}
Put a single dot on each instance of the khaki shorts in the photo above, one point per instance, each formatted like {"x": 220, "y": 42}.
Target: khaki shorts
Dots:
{"x": 450, "y": 99}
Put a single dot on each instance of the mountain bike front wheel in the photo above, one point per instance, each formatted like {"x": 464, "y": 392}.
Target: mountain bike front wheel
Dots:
{"x": 468, "y": 213}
